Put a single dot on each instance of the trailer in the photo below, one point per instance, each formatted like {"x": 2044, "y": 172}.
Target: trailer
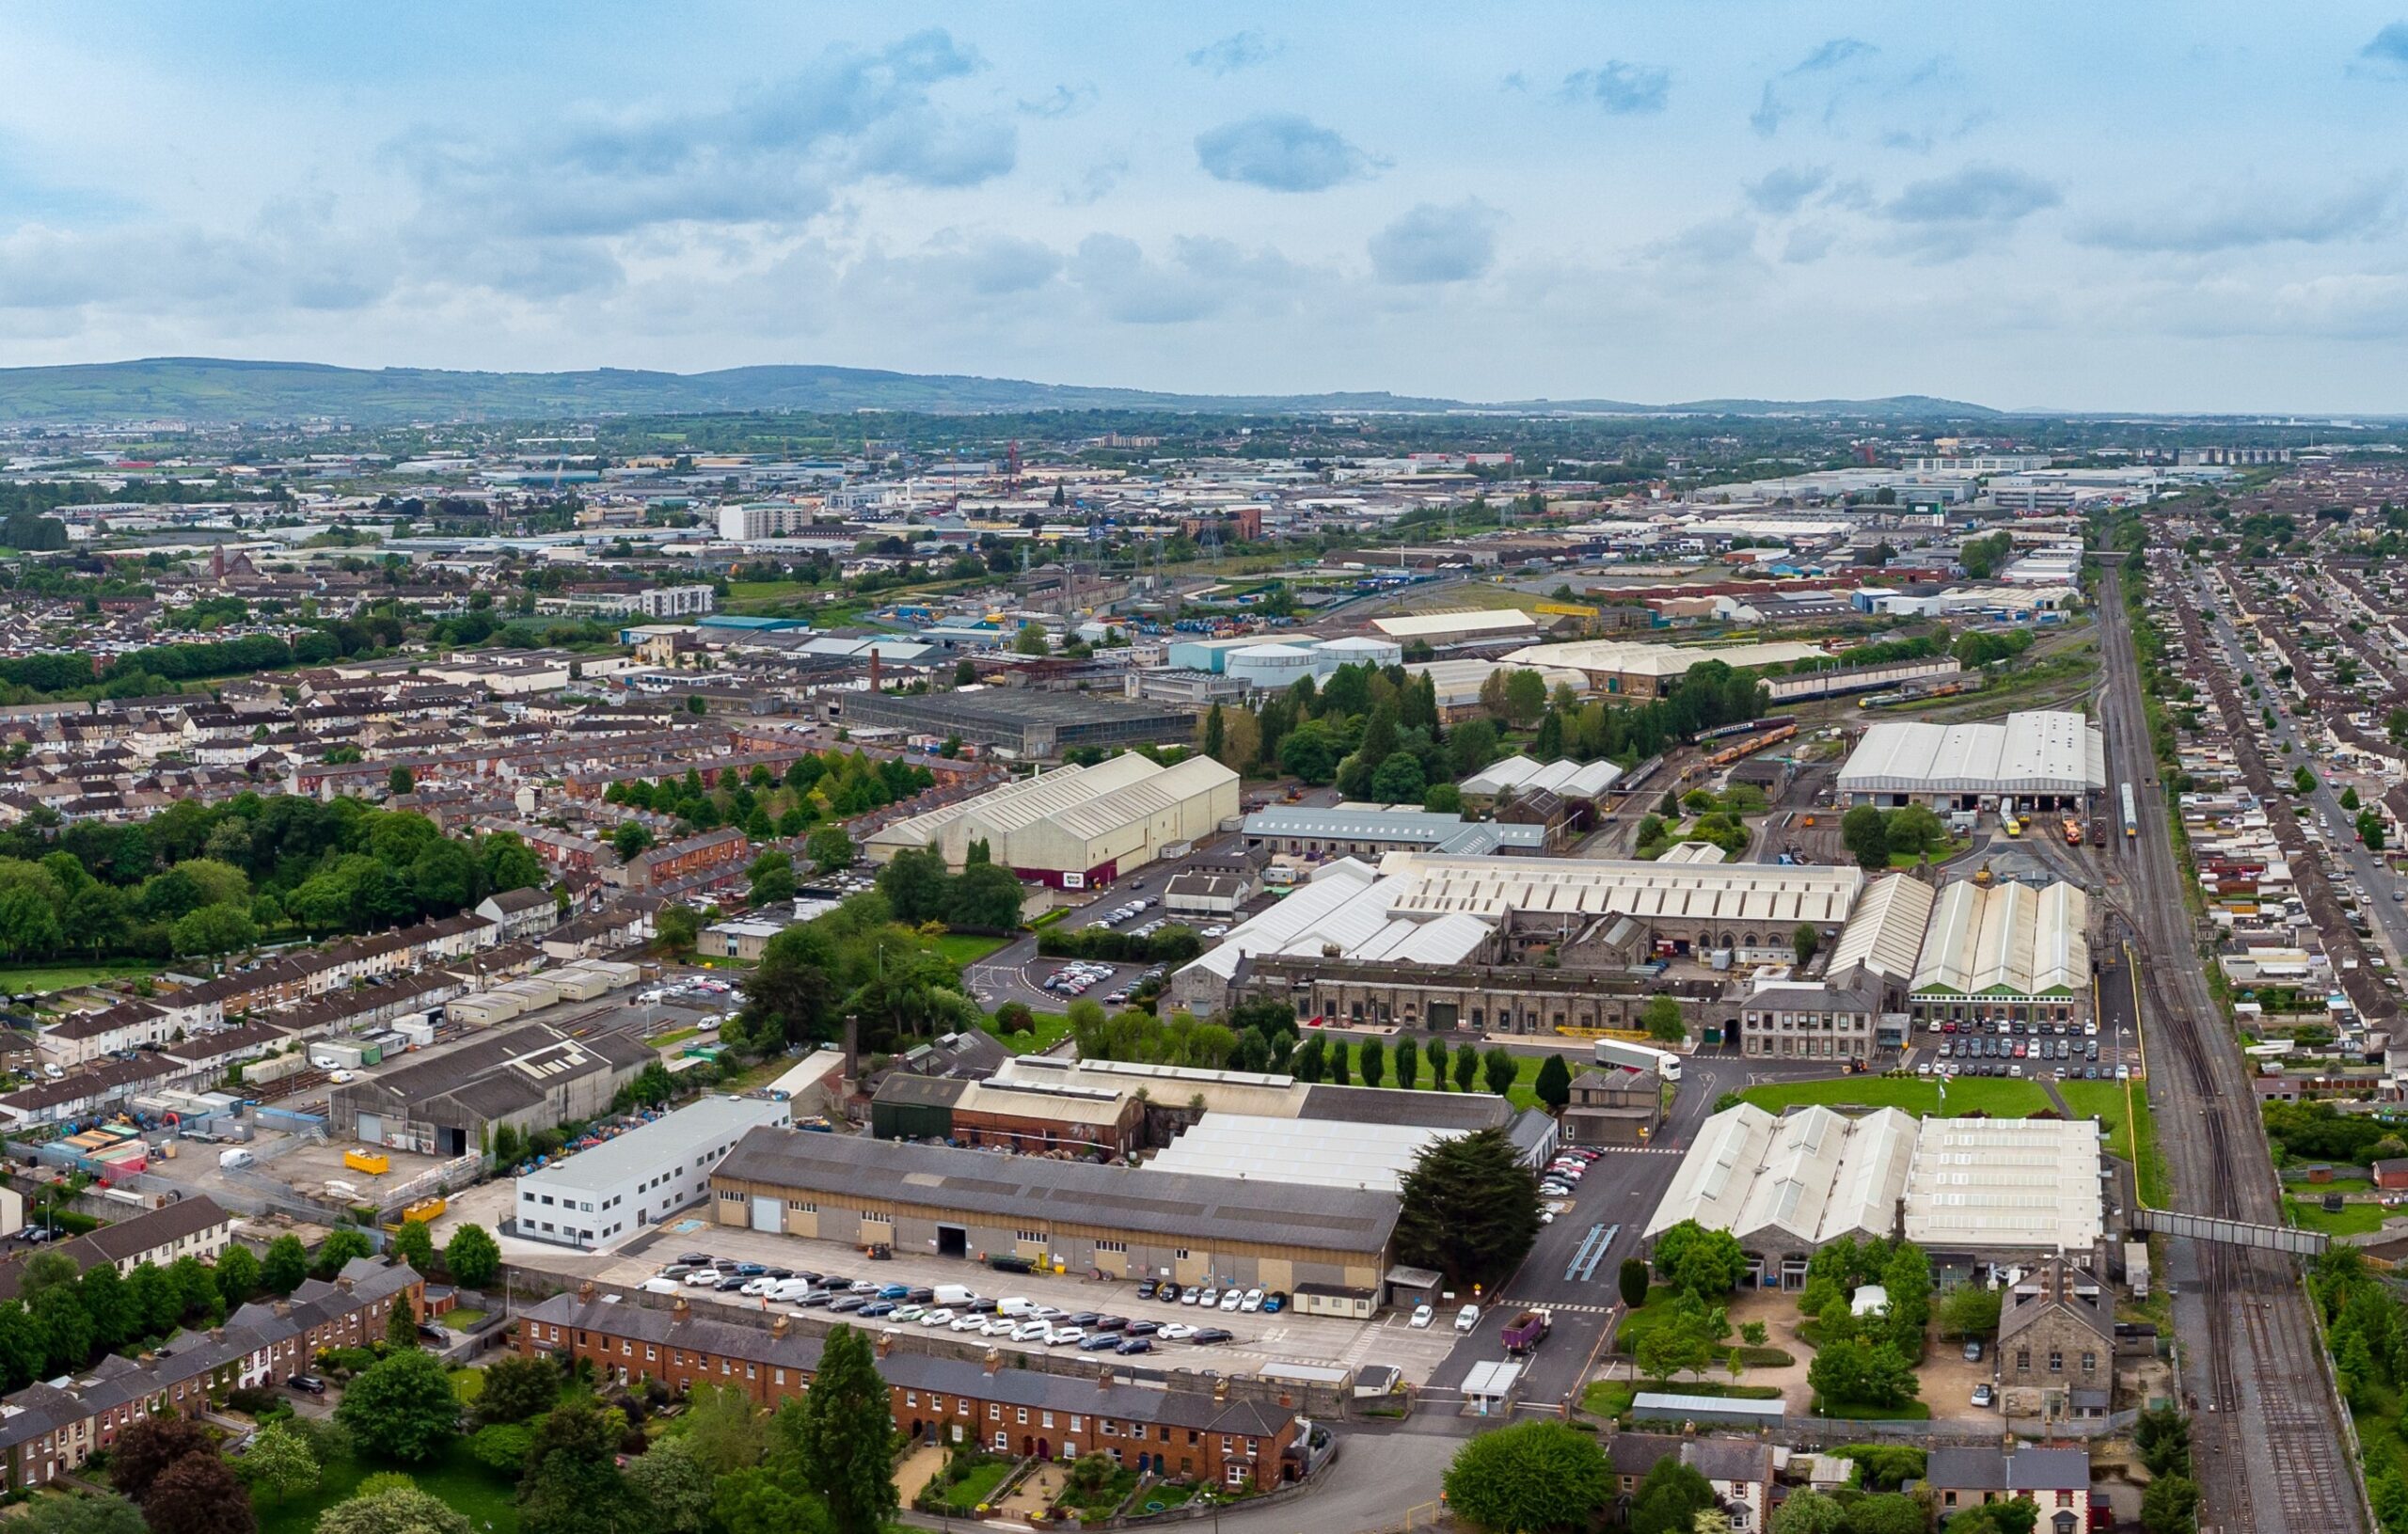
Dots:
{"x": 1629, "y": 1056}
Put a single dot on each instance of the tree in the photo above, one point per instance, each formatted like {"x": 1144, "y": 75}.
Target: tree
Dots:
{"x": 237, "y": 1273}
{"x": 400, "y": 780}
{"x": 1371, "y": 1060}
{"x": 1804, "y": 943}
{"x": 829, "y": 847}
{"x": 198, "y": 1494}
{"x": 1436, "y": 1050}
{"x": 401, "y": 1326}
{"x": 1030, "y": 641}
{"x": 1969, "y": 1311}
{"x": 78, "y": 1513}
{"x": 340, "y": 1250}
{"x": 1682, "y": 1342}
{"x": 1467, "y": 1068}
{"x": 213, "y": 929}
{"x": 1408, "y": 1062}
{"x": 279, "y": 1462}
{"x": 2170, "y": 1505}
{"x": 1854, "y": 1372}
{"x": 1498, "y": 1069}
{"x": 2350, "y": 797}
{"x": 983, "y": 895}
{"x": 1670, "y": 1498}
{"x": 517, "y": 1387}
{"x": 472, "y": 1256}
{"x": 1530, "y": 1477}
{"x": 149, "y": 1445}
{"x": 674, "y": 1486}
{"x": 723, "y": 1430}
{"x": 403, "y": 1405}
{"x": 631, "y": 840}
{"x": 2163, "y": 1435}
{"x": 1216, "y": 731}
{"x": 1661, "y": 1018}
{"x": 1866, "y": 836}
{"x": 1809, "y": 1513}
{"x": 394, "y": 1510}
{"x": 572, "y": 1484}
{"x": 1469, "y": 1209}
{"x": 1696, "y": 1260}
{"x": 771, "y": 876}
{"x": 1632, "y": 1281}
{"x": 1554, "y": 1085}
{"x": 674, "y": 927}
{"x": 2017, "y": 1517}
{"x": 846, "y": 1436}
{"x": 413, "y": 1244}
{"x": 1398, "y": 780}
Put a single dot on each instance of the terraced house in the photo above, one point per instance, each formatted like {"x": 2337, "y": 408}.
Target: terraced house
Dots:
{"x": 50, "y": 1430}
{"x": 937, "y": 1400}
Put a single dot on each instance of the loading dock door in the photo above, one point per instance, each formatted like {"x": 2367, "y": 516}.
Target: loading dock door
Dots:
{"x": 1442, "y": 1015}
{"x": 953, "y": 1241}
{"x": 768, "y": 1212}
{"x": 372, "y": 1129}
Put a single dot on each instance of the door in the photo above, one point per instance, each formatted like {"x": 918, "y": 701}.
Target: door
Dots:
{"x": 1442, "y": 1015}
{"x": 372, "y": 1129}
{"x": 768, "y": 1212}
{"x": 953, "y": 1241}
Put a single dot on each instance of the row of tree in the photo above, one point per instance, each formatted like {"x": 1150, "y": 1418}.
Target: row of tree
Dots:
{"x": 830, "y": 785}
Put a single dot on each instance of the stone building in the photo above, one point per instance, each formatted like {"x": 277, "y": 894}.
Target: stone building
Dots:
{"x": 2056, "y": 1342}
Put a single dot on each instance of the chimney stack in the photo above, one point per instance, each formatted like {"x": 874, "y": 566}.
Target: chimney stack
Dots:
{"x": 680, "y": 1310}
{"x": 779, "y": 1325}
{"x": 343, "y": 1284}
{"x": 993, "y": 1360}
{"x": 852, "y": 1046}
{"x": 1103, "y": 1380}
{"x": 884, "y": 1345}
{"x": 586, "y": 1292}
{"x": 1221, "y": 1391}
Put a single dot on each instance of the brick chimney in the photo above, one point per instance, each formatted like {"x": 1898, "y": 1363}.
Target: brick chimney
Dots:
{"x": 342, "y": 1284}
{"x": 993, "y": 1360}
{"x": 1220, "y": 1391}
{"x": 852, "y": 1046}
{"x": 1103, "y": 1380}
{"x": 586, "y": 1292}
{"x": 680, "y": 1310}
{"x": 884, "y": 1345}
{"x": 779, "y": 1326}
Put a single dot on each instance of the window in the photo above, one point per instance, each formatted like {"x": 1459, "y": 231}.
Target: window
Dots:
{"x": 2057, "y": 1361}
{"x": 2089, "y": 1362}
{"x": 2022, "y": 1358}
{"x": 1035, "y": 1237}
{"x": 911, "y": 1398}
{"x": 1112, "y": 1246}
{"x": 803, "y": 1205}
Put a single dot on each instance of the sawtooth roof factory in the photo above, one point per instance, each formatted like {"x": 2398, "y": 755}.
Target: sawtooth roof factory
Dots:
{"x": 1075, "y": 827}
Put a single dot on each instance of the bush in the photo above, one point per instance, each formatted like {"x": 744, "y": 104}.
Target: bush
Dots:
{"x": 502, "y": 1448}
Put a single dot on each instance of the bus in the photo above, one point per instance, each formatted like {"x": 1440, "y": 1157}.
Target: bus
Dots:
{"x": 1614, "y": 1051}
{"x": 2131, "y": 815}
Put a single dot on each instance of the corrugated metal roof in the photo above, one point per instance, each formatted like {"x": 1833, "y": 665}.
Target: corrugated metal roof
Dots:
{"x": 2007, "y": 939}
{"x": 2033, "y": 751}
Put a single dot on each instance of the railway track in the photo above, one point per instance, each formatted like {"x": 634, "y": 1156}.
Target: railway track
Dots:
{"x": 2265, "y": 1426}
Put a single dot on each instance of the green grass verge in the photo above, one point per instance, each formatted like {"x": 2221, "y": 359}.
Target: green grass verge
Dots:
{"x": 2352, "y": 1220}
{"x": 2004, "y": 1097}
{"x": 2104, "y": 1101}
{"x": 45, "y": 977}
{"x": 1955, "y": 848}
{"x": 468, "y": 1385}
{"x": 962, "y": 948}
{"x": 964, "y": 1496}
{"x": 675, "y": 1036}
{"x": 454, "y": 1478}
{"x": 461, "y": 1319}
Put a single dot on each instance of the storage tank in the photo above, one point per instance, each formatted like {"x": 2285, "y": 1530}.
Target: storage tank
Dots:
{"x": 1274, "y": 667}
{"x": 1362, "y": 650}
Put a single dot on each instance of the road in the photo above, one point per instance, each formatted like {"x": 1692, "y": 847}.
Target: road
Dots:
{"x": 2266, "y": 1429}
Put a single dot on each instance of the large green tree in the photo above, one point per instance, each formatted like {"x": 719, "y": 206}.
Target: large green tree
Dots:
{"x": 1706, "y": 1263}
{"x": 1866, "y": 836}
{"x": 846, "y": 1436}
{"x": 517, "y": 1388}
{"x": 1554, "y": 1085}
{"x": 1468, "y": 1208}
{"x": 1529, "y": 1477}
{"x": 472, "y": 1256}
{"x": 403, "y": 1407}
{"x": 278, "y": 1463}
{"x": 573, "y": 1485}
{"x": 198, "y": 1494}
{"x": 1669, "y": 1498}
{"x": 394, "y": 1510}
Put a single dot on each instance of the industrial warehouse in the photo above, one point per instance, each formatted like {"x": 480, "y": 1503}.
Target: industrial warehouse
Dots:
{"x": 1069, "y": 1216}
{"x": 2044, "y": 759}
{"x": 2004, "y": 952}
{"x": 1020, "y": 721}
{"x": 1970, "y": 1191}
{"x": 1075, "y": 827}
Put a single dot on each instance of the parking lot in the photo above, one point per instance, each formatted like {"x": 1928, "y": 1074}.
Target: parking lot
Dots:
{"x": 2068, "y": 1057}
{"x": 1260, "y": 1339}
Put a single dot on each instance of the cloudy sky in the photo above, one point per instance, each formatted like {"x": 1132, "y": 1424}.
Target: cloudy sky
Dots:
{"x": 2127, "y": 205}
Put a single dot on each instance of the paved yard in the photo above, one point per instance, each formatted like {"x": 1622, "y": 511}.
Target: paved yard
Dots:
{"x": 1036, "y": 1493}
{"x": 916, "y": 1469}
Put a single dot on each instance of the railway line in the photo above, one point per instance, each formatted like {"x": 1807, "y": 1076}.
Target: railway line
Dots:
{"x": 2266, "y": 1426}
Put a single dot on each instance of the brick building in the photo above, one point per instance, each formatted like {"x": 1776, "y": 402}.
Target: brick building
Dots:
{"x": 935, "y": 1399}
{"x": 1613, "y": 1107}
{"x": 672, "y": 862}
{"x": 50, "y": 1430}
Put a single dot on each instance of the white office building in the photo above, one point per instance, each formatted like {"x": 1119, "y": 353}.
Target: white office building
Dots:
{"x": 597, "y": 1198}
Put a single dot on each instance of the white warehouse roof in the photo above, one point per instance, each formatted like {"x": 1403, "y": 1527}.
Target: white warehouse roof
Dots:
{"x": 1985, "y": 1183}
{"x": 1885, "y": 934}
{"x": 1423, "y": 625}
{"x": 2033, "y": 753}
{"x": 701, "y": 1130}
{"x": 1814, "y": 1177}
{"x": 1738, "y": 892}
{"x": 1330, "y": 1153}
{"x": 2007, "y": 940}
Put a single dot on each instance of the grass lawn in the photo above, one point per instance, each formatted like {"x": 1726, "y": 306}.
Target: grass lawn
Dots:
{"x": 2353, "y": 1220}
{"x": 1913, "y": 1411}
{"x": 675, "y": 1036}
{"x": 1163, "y": 1496}
{"x": 963, "y": 948}
{"x": 1658, "y": 1311}
{"x": 2156, "y": 1183}
{"x": 1955, "y": 848}
{"x": 1615, "y": 1398}
{"x": 462, "y": 1318}
{"x": 964, "y": 1496}
{"x": 2105, "y": 1101}
{"x": 455, "y": 1478}
{"x": 2004, "y": 1097}
{"x": 38, "y": 977}
{"x": 1110, "y": 1495}
{"x": 1051, "y": 1027}
{"x": 468, "y": 1383}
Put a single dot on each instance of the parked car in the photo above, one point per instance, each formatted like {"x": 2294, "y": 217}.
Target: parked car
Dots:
{"x": 1131, "y": 1345}
{"x": 1982, "y": 1395}
{"x": 1211, "y": 1334}
{"x": 1467, "y": 1318}
{"x": 308, "y": 1384}
{"x": 1422, "y": 1315}
{"x": 1176, "y": 1331}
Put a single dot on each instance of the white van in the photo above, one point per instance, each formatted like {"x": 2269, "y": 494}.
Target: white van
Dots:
{"x": 954, "y": 1295}
{"x": 1014, "y": 1304}
{"x": 790, "y": 1288}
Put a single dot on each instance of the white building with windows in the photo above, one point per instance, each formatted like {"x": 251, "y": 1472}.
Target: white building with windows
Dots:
{"x": 597, "y": 1198}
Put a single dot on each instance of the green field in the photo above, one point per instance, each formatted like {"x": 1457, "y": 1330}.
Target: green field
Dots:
{"x": 2104, "y": 1101}
{"x": 964, "y": 948}
{"x": 456, "y": 1479}
{"x": 1050, "y": 1026}
{"x": 2005, "y": 1097}
{"x": 2353, "y": 1220}
{"x": 69, "y": 976}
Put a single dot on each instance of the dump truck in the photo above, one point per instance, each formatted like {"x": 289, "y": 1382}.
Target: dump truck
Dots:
{"x": 1526, "y": 1331}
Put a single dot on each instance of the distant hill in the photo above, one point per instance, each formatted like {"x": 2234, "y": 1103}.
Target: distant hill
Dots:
{"x": 218, "y": 390}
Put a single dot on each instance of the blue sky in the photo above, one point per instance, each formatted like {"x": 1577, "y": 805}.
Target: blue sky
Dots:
{"x": 2127, "y": 206}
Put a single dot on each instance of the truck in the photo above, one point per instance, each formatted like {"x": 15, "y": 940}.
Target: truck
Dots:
{"x": 1615, "y": 1051}
{"x": 1525, "y": 1332}
{"x": 228, "y": 1160}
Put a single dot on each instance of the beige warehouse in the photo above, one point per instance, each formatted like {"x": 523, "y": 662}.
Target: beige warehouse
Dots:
{"x": 1077, "y": 826}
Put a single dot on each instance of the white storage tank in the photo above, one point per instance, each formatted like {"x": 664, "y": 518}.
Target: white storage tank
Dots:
{"x": 1274, "y": 667}
{"x": 1362, "y": 650}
